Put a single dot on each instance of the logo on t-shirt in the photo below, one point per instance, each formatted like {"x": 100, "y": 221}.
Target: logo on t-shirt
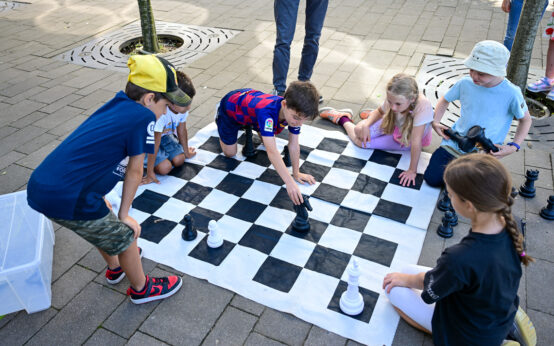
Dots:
{"x": 268, "y": 126}
{"x": 150, "y": 131}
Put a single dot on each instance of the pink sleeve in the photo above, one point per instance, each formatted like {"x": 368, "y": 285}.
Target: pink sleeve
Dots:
{"x": 423, "y": 112}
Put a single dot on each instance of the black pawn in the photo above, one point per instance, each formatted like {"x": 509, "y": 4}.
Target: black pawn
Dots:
{"x": 286, "y": 157}
{"x": 454, "y": 221}
{"x": 248, "y": 149}
{"x": 189, "y": 233}
{"x": 444, "y": 204}
{"x": 548, "y": 211}
{"x": 445, "y": 230}
{"x": 528, "y": 188}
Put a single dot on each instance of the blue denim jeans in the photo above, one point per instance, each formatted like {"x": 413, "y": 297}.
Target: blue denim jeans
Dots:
{"x": 286, "y": 12}
{"x": 433, "y": 175}
{"x": 513, "y": 20}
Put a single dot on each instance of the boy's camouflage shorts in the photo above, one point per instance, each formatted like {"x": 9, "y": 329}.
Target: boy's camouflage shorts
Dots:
{"x": 108, "y": 233}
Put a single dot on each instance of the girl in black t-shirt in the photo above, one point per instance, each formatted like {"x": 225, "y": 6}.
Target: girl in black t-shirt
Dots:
{"x": 474, "y": 285}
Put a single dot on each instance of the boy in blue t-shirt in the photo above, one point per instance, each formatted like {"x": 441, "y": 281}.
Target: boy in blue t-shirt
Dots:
{"x": 170, "y": 137}
{"x": 269, "y": 115}
{"x": 487, "y": 99}
{"x": 70, "y": 184}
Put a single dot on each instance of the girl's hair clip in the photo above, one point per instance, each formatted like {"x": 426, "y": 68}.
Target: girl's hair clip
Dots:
{"x": 522, "y": 254}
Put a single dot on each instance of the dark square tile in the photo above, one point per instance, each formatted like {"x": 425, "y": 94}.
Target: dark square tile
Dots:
{"x": 212, "y": 144}
{"x": 318, "y": 171}
{"x": 260, "y": 238}
{"x": 317, "y": 228}
{"x": 305, "y": 151}
{"x": 224, "y": 163}
{"x": 393, "y": 211}
{"x": 369, "y": 185}
{"x": 328, "y": 261}
{"x": 149, "y": 201}
{"x": 235, "y": 184}
{"x": 333, "y": 145}
{"x": 330, "y": 193}
{"x": 260, "y": 158}
{"x": 282, "y": 200}
{"x": 349, "y": 218}
{"x": 211, "y": 255}
{"x": 277, "y": 274}
{"x": 186, "y": 171}
{"x": 385, "y": 158}
{"x": 369, "y": 297}
{"x": 155, "y": 229}
{"x": 376, "y": 249}
{"x": 271, "y": 176}
{"x": 396, "y": 180}
{"x": 193, "y": 193}
{"x": 201, "y": 217}
{"x": 246, "y": 210}
{"x": 350, "y": 163}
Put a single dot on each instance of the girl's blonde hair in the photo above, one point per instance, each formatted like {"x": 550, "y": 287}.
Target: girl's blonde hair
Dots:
{"x": 405, "y": 85}
{"x": 483, "y": 180}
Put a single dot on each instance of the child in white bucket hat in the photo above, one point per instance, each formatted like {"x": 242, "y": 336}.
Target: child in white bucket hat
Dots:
{"x": 487, "y": 99}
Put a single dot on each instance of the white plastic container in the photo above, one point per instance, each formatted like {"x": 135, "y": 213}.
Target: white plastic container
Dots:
{"x": 26, "y": 249}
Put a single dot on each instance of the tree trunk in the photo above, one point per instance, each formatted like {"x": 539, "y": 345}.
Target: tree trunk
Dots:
{"x": 520, "y": 58}
{"x": 148, "y": 26}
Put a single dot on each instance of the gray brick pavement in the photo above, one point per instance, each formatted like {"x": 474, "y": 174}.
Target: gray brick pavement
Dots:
{"x": 363, "y": 43}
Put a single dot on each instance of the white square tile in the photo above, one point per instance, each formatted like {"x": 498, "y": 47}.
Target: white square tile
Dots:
{"x": 209, "y": 177}
{"x": 342, "y": 178}
{"x": 342, "y": 239}
{"x": 293, "y": 250}
{"x": 202, "y": 157}
{"x": 219, "y": 201}
{"x": 138, "y": 215}
{"x": 355, "y": 151}
{"x": 360, "y": 201}
{"x": 322, "y": 211}
{"x": 323, "y": 158}
{"x": 249, "y": 170}
{"x": 381, "y": 172}
{"x": 308, "y": 189}
{"x": 310, "y": 136}
{"x": 275, "y": 218}
{"x": 232, "y": 229}
{"x": 174, "y": 210}
{"x": 261, "y": 192}
{"x": 168, "y": 185}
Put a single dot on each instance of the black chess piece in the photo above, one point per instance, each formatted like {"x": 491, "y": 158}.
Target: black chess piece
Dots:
{"x": 514, "y": 192}
{"x": 248, "y": 149}
{"x": 548, "y": 211}
{"x": 286, "y": 157}
{"x": 445, "y": 230}
{"x": 301, "y": 222}
{"x": 189, "y": 233}
{"x": 444, "y": 204}
{"x": 454, "y": 221}
{"x": 527, "y": 190}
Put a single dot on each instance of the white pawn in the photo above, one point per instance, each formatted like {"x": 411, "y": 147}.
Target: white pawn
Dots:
{"x": 214, "y": 238}
{"x": 351, "y": 301}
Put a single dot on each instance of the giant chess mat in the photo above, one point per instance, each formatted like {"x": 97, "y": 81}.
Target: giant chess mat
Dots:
{"x": 359, "y": 211}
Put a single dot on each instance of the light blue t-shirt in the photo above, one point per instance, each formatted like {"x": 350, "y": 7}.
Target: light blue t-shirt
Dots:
{"x": 491, "y": 108}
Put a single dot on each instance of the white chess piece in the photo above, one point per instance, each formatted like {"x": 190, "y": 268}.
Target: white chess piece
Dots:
{"x": 351, "y": 301}
{"x": 214, "y": 238}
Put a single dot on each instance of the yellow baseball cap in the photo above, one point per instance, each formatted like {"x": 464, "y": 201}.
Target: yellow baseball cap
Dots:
{"x": 157, "y": 74}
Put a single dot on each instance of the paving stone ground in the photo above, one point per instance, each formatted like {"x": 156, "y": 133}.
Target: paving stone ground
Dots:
{"x": 363, "y": 43}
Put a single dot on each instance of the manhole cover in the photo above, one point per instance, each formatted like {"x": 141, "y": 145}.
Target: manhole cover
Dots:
{"x": 103, "y": 52}
{"x": 10, "y": 5}
{"x": 439, "y": 73}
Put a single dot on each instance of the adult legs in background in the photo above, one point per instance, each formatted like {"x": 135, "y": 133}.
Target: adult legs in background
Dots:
{"x": 408, "y": 302}
{"x": 513, "y": 20}
{"x": 315, "y": 16}
{"x": 286, "y": 12}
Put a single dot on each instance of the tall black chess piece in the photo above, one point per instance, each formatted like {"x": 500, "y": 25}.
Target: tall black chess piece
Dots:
{"x": 444, "y": 204}
{"x": 286, "y": 156}
{"x": 189, "y": 233}
{"x": 475, "y": 135}
{"x": 445, "y": 230}
{"x": 454, "y": 220}
{"x": 248, "y": 149}
{"x": 301, "y": 222}
{"x": 527, "y": 190}
{"x": 548, "y": 211}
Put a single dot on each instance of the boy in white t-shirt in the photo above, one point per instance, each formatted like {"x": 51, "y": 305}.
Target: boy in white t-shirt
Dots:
{"x": 170, "y": 137}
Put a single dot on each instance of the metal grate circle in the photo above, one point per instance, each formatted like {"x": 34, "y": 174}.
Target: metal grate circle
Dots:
{"x": 438, "y": 74}
{"x": 104, "y": 53}
{"x": 6, "y": 6}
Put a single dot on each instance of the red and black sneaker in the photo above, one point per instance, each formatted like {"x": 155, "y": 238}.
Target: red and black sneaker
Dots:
{"x": 155, "y": 288}
{"x": 114, "y": 276}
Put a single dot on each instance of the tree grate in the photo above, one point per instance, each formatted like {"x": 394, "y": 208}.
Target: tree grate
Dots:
{"x": 104, "y": 52}
{"x": 6, "y": 6}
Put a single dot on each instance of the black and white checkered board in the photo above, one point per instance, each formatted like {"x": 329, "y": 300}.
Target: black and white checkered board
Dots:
{"x": 359, "y": 211}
